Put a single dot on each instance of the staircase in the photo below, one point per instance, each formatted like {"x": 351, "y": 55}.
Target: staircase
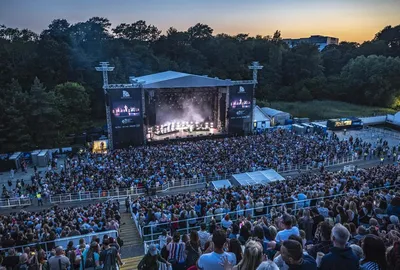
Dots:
{"x": 131, "y": 263}
{"x": 128, "y": 232}
{"x": 132, "y": 250}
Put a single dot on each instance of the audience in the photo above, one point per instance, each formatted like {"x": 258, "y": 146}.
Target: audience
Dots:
{"x": 154, "y": 165}
{"x": 54, "y": 223}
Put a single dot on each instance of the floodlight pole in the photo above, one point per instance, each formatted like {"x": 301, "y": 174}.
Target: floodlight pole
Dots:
{"x": 105, "y": 68}
{"x": 255, "y": 66}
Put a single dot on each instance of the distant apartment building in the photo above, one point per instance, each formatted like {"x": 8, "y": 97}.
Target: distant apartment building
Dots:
{"x": 320, "y": 41}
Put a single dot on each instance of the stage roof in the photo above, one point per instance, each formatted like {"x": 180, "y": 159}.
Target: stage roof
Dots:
{"x": 256, "y": 178}
{"x": 173, "y": 79}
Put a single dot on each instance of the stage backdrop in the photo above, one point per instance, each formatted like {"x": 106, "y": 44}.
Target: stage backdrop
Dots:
{"x": 126, "y": 117}
{"x": 239, "y": 111}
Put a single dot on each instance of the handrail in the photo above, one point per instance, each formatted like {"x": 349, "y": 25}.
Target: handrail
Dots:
{"x": 235, "y": 214}
{"x": 49, "y": 245}
{"x": 15, "y": 202}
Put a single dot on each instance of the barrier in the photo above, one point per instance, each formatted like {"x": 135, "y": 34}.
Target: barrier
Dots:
{"x": 49, "y": 245}
{"x": 17, "y": 202}
{"x": 234, "y": 215}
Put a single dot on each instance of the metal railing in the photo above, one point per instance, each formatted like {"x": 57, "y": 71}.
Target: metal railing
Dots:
{"x": 173, "y": 184}
{"x": 15, "y": 202}
{"x": 48, "y": 246}
{"x": 155, "y": 230}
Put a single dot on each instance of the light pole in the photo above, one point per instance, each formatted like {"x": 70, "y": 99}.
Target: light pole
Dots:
{"x": 105, "y": 68}
{"x": 255, "y": 66}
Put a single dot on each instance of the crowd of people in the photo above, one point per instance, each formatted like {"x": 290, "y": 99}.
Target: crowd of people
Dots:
{"x": 150, "y": 165}
{"x": 98, "y": 254}
{"x": 48, "y": 225}
{"x": 185, "y": 210}
{"x": 359, "y": 230}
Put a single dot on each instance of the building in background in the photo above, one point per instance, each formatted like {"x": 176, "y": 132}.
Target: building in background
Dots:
{"x": 320, "y": 41}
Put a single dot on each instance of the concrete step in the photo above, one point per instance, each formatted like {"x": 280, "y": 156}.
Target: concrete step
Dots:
{"x": 128, "y": 232}
{"x": 131, "y": 263}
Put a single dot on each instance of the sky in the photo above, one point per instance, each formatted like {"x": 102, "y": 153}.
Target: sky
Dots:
{"x": 349, "y": 20}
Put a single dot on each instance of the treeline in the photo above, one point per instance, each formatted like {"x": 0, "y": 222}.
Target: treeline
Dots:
{"x": 49, "y": 88}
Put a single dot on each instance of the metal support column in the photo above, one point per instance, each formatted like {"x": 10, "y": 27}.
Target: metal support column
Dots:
{"x": 104, "y": 68}
{"x": 255, "y": 66}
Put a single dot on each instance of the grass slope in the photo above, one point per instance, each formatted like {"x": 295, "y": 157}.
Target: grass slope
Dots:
{"x": 324, "y": 109}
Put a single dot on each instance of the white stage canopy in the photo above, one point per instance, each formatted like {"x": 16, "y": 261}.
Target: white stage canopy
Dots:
{"x": 221, "y": 184}
{"x": 256, "y": 178}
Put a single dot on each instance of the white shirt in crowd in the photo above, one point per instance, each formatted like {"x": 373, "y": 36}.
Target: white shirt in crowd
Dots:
{"x": 204, "y": 237}
{"x": 213, "y": 260}
{"x": 284, "y": 235}
{"x": 226, "y": 223}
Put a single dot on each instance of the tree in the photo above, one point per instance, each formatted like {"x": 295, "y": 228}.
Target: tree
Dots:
{"x": 304, "y": 95}
{"x": 44, "y": 116}
{"x": 139, "y": 31}
{"x": 74, "y": 104}
{"x": 14, "y": 135}
{"x": 373, "y": 80}
{"x": 391, "y": 37}
{"x": 200, "y": 32}
{"x": 301, "y": 62}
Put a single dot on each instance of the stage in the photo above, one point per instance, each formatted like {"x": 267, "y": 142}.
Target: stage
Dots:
{"x": 181, "y": 134}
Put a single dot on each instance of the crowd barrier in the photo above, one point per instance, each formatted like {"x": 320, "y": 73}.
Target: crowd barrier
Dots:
{"x": 152, "y": 232}
{"x": 49, "y": 245}
{"x": 134, "y": 191}
{"x": 15, "y": 202}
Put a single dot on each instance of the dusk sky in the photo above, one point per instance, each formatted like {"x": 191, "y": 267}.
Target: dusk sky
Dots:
{"x": 349, "y": 20}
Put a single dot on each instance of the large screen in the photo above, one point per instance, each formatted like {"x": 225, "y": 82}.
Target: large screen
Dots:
{"x": 239, "y": 111}
{"x": 126, "y": 117}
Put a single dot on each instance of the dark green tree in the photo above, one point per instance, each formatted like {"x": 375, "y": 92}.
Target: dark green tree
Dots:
{"x": 74, "y": 105}
{"x": 44, "y": 116}
{"x": 138, "y": 31}
{"x": 14, "y": 134}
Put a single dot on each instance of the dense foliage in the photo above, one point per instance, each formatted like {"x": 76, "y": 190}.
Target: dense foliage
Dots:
{"x": 49, "y": 88}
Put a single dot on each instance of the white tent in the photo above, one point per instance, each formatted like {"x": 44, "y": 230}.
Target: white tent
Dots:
{"x": 260, "y": 119}
{"x": 256, "y": 178}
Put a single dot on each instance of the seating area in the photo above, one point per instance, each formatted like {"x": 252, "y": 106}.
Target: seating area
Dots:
{"x": 361, "y": 207}
{"x": 184, "y": 211}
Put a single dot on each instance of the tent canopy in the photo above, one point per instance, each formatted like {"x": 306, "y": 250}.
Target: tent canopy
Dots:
{"x": 256, "y": 178}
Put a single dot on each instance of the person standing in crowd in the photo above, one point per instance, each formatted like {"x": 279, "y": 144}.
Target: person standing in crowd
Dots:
{"x": 90, "y": 257}
{"x": 292, "y": 255}
{"x": 204, "y": 236}
{"x": 151, "y": 260}
{"x": 374, "y": 253}
{"x": 288, "y": 229}
{"x": 60, "y": 261}
{"x": 39, "y": 199}
{"x": 212, "y": 258}
{"x": 252, "y": 258}
{"x": 109, "y": 256}
{"x": 193, "y": 250}
{"x": 177, "y": 255}
{"x": 340, "y": 256}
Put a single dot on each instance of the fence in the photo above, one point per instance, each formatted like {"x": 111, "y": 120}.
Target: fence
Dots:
{"x": 134, "y": 191}
{"x": 17, "y": 202}
{"x": 49, "y": 245}
{"x": 151, "y": 232}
